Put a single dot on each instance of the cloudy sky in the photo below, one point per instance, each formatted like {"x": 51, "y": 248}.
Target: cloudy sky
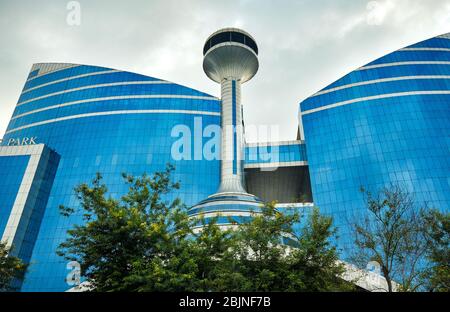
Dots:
{"x": 304, "y": 45}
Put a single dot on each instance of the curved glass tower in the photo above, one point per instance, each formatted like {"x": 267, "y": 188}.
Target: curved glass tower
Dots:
{"x": 72, "y": 121}
{"x": 103, "y": 120}
{"x": 386, "y": 122}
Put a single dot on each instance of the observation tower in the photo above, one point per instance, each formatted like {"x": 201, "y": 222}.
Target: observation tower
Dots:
{"x": 230, "y": 57}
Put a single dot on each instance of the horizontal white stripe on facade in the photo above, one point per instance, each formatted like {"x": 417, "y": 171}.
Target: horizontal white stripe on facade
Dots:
{"x": 119, "y": 112}
{"x": 276, "y": 164}
{"x": 112, "y": 84}
{"x": 276, "y": 143}
{"x": 70, "y": 78}
{"x": 404, "y": 63}
{"x": 425, "y": 49}
{"x": 120, "y": 97}
{"x": 367, "y": 82}
{"x": 375, "y": 97}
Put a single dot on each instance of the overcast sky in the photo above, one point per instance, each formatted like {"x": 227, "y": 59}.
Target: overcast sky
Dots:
{"x": 303, "y": 45}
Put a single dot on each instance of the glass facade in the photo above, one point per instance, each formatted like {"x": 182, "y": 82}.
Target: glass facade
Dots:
{"x": 387, "y": 122}
{"x": 12, "y": 169}
{"x": 102, "y": 120}
{"x": 277, "y": 152}
{"x": 27, "y": 173}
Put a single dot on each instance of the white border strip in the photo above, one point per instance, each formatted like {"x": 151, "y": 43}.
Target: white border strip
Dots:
{"x": 375, "y": 97}
{"x": 121, "y": 97}
{"x": 70, "y": 78}
{"x": 276, "y": 164}
{"x": 118, "y": 112}
{"x": 112, "y": 84}
{"x": 276, "y": 143}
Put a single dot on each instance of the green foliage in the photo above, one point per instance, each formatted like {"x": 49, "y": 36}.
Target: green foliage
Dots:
{"x": 121, "y": 239}
{"x": 212, "y": 252}
{"x": 437, "y": 275}
{"x": 143, "y": 243}
{"x": 10, "y": 268}
{"x": 316, "y": 259}
{"x": 270, "y": 256}
{"x": 394, "y": 234}
{"x": 261, "y": 258}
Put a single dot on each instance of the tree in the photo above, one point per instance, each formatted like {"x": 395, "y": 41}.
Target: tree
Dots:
{"x": 134, "y": 243}
{"x": 269, "y": 255}
{"x": 437, "y": 275}
{"x": 316, "y": 260}
{"x": 261, "y": 262}
{"x": 391, "y": 233}
{"x": 212, "y": 251}
{"x": 142, "y": 242}
{"x": 10, "y": 268}
{"x": 194, "y": 262}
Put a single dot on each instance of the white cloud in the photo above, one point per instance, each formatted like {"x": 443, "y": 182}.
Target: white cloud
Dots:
{"x": 304, "y": 45}
{"x": 378, "y": 10}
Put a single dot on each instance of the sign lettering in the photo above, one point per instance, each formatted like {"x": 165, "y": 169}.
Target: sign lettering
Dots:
{"x": 22, "y": 141}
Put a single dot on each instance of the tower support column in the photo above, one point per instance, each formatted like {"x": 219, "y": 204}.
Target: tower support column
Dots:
{"x": 232, "y": 137}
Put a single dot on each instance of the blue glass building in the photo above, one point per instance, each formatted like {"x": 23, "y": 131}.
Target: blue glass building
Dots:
{"x": 385, "y": 123}
{"x": 99, "y": 120}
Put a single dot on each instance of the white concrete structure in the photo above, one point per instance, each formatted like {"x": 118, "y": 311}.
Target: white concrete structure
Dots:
{"x": 230, "y": 58}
